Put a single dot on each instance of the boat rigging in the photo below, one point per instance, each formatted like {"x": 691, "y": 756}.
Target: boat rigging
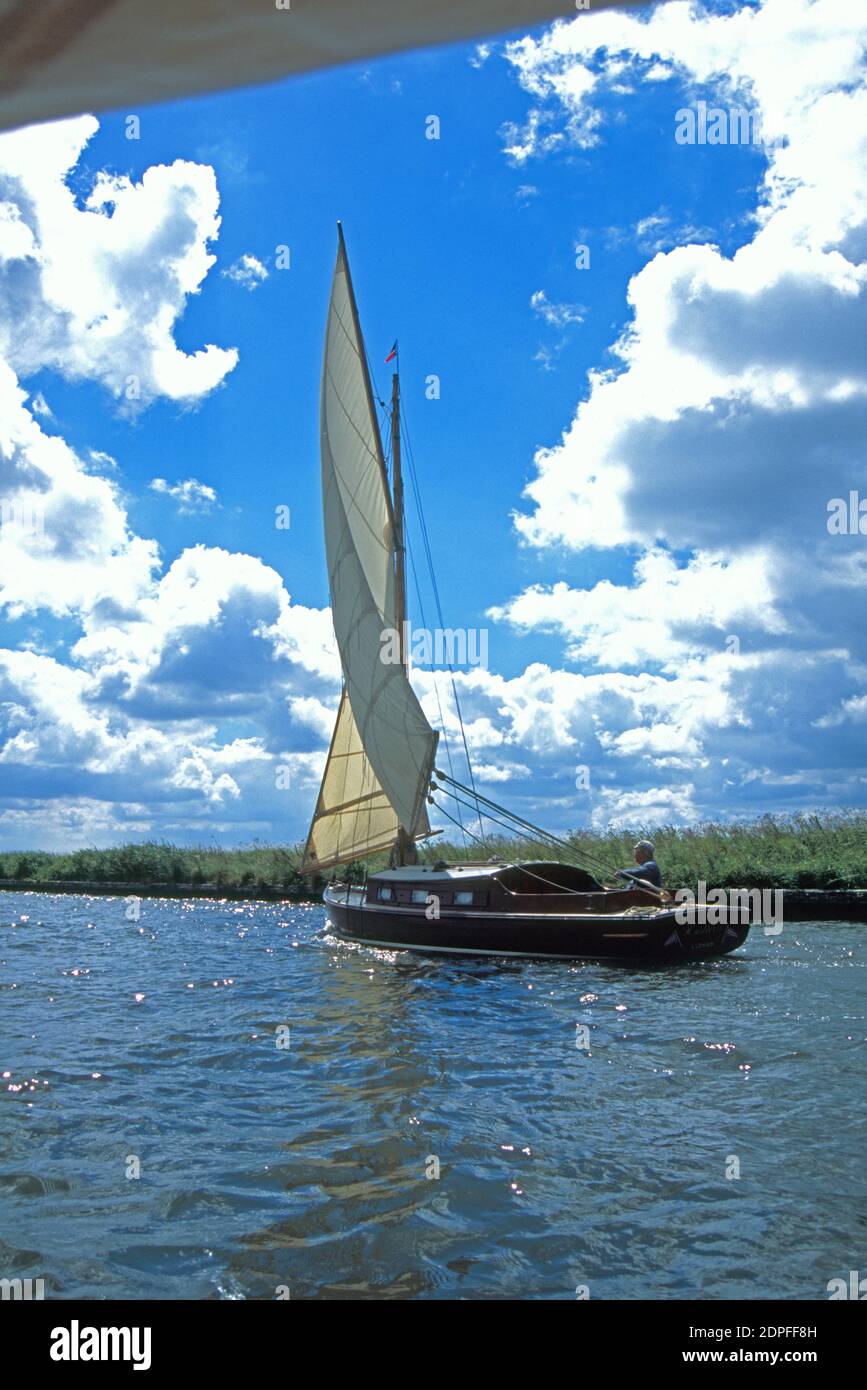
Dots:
{"x": 381, "y": 771}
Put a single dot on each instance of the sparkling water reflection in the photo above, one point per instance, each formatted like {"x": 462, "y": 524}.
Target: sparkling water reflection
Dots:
{"x": 305, "y": 1167}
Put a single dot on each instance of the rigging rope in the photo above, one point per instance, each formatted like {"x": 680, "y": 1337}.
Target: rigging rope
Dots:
{"x": 598, "y": 866}
{"x": 521, "y": 822}
{"x": 595, "y": 861}
{"x": 448, "y": 746}
{"x": 532, "y": 873}
{"x": 427, "y": 548}
{"x": 386, "y": 433}
{"x": 552, "y": 845}
{"x": 581, "y": 857}
{"x": 466, "y": 831}
{"x": 469, "y": 807}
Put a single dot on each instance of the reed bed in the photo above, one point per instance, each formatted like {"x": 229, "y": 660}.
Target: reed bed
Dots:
{"x": 802, "y": 851}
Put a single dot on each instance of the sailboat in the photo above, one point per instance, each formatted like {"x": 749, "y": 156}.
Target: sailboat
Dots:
{"x": 380, "y": 775}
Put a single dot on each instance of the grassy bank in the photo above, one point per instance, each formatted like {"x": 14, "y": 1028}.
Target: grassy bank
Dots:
{"x": 797, "y": 852}
{"x": 159, "y": 863}
{"x": 774, "y": 852}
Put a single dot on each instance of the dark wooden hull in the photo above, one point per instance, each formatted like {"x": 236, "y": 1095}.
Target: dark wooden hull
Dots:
{"x": 654, "y": 936}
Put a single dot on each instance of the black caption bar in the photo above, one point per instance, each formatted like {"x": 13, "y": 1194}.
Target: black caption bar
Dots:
{"x": 141, "y": 1339}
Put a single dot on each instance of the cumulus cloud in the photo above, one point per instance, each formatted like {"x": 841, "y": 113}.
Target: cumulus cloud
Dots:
{"x": 705, "y": 459}
{"x": 95, "y": 291}
{"x": 141, "y": 714}
{"x": 729, "y": 355}
{"x": 248, "y": 271}
{"x": 163, "y": 707}
{"x": 65, "y": 543}
{"x": 313, "y": 713}
{"x": 722, "y": 668}
{"x": 499, "y": 772}
{"x": 670, "y": 611}
{"x": 655, "y": 806}
{"x": 217, "y": 634}
{"x": 190, "y": 495}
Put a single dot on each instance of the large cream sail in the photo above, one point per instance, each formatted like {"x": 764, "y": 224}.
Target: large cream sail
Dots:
{"x": 379, "y": 764}
{"x": 353, "y": 816}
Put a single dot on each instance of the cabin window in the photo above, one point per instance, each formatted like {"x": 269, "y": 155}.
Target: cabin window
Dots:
{"x": 385, "y": 895}
{"x": 463, "y": 898}
{"x": 419, "y": 895}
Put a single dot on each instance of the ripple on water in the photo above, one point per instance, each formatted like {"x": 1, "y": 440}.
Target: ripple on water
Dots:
{"x": 429, "y": 1128}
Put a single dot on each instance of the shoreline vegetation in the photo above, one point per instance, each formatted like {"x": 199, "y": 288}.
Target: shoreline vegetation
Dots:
{"x": 827, "y": 852}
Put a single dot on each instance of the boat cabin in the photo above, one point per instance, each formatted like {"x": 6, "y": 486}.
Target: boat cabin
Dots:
{"x": 531, "y": 887}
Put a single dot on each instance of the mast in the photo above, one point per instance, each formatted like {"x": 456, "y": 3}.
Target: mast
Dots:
{"x": 404, "y": 851}
{"x": 399, "y": 542}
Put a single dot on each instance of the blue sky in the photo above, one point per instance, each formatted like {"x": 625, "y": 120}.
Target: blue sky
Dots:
{"x": 628, "y": 464}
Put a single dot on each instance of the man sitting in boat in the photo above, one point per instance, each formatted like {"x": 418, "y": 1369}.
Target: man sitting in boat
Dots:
{"x": 648, "y": 870}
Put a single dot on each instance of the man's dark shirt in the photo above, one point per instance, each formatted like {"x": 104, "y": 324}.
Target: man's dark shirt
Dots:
{"x": 649, "y": 871}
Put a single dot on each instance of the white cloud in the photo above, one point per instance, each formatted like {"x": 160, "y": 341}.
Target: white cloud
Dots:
{"x": 315, "y": 714}
{"x": 247, "y": 271}
{"x": 162, "y": 708}
{"x": 98, "y": 459}
{"x": 94, "y": 291}
{"x": 65, "y": 544}
{"x": 139, "y": 715}
{"x": 173, "y": 652}
{"x": 853, "y": 709}
{"x": 557, "y": 315}
{"x": 704, "y": 460}
{"x": 740, "y": 390}
{"x": 654, "y": 807}
{"x": 190, "y": 495}
{"x": 499, "y": 772}
{"x": 195, "y": 773}
{"x": 669, "y": 612}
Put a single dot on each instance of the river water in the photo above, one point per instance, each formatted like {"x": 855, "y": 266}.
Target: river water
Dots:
{"x": 707, "y": 1143}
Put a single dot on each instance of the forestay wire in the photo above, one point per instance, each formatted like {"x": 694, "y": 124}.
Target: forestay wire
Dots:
{"x": 567, "y": 848}
{"x": 448, "y": 785}
{"x": 385, "y": 433}
{"x": 436, "y": 593}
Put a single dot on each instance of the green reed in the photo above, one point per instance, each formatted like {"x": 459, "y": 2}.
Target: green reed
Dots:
{"x": 802, "y": 851}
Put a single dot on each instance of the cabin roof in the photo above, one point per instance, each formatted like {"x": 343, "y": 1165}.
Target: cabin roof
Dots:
{"x": 413, "y": 872}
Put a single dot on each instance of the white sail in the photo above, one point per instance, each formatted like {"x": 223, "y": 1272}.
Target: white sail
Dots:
{"x": 383, "y": 750}
{"x": 353, "y": 816}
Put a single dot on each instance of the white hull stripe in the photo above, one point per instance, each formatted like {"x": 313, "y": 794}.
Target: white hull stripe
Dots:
{"x": 467, "y": 950}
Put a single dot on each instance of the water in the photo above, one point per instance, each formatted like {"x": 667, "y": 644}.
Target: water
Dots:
{"x": 305, "y": 1167}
